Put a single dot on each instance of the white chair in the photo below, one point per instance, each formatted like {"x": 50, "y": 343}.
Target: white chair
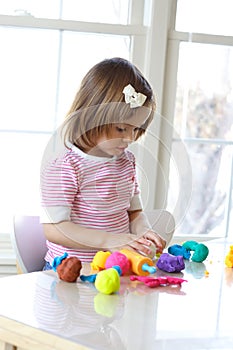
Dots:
{"x": 29, "y": 243}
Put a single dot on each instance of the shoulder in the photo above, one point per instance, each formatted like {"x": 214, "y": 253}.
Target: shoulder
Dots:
{"x": 129, "y": 156}
{"x": 71, "y": 154}
{"x": 66, "y": 159}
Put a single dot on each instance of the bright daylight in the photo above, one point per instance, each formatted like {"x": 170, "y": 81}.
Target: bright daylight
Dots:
{"x": 116, "y": 145}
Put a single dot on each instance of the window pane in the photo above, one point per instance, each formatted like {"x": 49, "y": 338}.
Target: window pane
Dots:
{"x": 28, "y": 84}
{"x": 208, "y": 16}
{"x": 103, "y": 11}
{"x": 20, "y": 155}
{"x": 204, "y": 119}
{"x": 28, "y": 71}
{"x": 35, "y": 8}
{"x": 231, "y": 209}
{"x": 37, "y": 84}
{"x": 204, "y": 100}
{"x": 79, "y": 53}
{"x": 205, "y": 212}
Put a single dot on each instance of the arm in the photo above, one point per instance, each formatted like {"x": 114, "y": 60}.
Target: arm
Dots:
{"x": 140, "y": 226}
{"x": 72, "y": 235}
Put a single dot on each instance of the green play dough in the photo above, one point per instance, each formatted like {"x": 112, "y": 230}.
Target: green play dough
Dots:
{"x": 201, "y": 251}
{"x": 190, "y": 245}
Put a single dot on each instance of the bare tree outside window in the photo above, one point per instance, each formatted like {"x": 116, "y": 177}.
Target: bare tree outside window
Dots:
{"x": 204, "y": 121}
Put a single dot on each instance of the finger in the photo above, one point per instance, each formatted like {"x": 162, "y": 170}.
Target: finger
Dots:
{"x": 156, "y": 239}
{"x": 144, "y": 241}
{"x": 158, "y": 244}
{"x": 144, "y": 249}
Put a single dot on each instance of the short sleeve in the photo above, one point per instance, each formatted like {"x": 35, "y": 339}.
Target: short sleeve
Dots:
{"x": 136, "y": 203}
{"x": 54, "y": 215}
{"x": 59, "y": 188}
{"x": 133, "y": 163}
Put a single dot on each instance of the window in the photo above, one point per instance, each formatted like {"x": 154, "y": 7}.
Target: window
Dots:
{"x": 102, "y": 11}
{"x": 201, "y": 193}
{"x": 209, "y": 16}
{"x": 45, "y": 52}
{"x": 186, "y": 163}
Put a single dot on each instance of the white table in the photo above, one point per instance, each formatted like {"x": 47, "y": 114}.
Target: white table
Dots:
{"x": 38, "y": 311}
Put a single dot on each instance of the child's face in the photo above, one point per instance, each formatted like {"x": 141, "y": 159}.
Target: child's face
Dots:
{"x": 119, "y": 137}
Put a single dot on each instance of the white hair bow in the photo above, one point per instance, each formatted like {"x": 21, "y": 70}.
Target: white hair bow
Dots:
{"x": 135, "y": 99}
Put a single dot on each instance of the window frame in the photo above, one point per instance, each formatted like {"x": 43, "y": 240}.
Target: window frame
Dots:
{"x": 139, "y": 12}
{"x": 174, "y": 39}
{"x": 155, "y": 50}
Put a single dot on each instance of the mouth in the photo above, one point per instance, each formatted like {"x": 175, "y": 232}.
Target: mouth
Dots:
{"x": 121, "y": 149}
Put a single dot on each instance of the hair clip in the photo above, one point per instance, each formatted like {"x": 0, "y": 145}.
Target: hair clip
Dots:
{"x": 135, "y": 99}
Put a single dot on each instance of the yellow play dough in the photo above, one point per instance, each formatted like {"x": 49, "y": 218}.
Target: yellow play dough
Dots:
{"x": 98, "y": 262}
{"x": 107, "y": 281}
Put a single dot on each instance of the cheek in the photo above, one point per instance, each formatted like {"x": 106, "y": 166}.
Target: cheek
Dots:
{"x": 111, "y": 141}
{"x": 101, "y": 141}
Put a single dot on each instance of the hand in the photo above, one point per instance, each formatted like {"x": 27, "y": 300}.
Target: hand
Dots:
{"x": 136, "y": 243}
{"x": 140, "y": 226}
{"x": 149, "y": 244}
{"x": 155, "y": 239}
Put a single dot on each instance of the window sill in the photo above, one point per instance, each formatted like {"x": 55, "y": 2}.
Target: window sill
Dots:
{"x": 7, "y": 257}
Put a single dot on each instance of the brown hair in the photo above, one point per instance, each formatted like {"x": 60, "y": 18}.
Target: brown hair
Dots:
{"x": 99, "y": 102}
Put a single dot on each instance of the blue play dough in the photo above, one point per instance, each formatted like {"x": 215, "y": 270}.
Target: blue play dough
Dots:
{"x": 177, "y": 249}
{"x": 89, "y": 278}
{"x": 57, "y": 261}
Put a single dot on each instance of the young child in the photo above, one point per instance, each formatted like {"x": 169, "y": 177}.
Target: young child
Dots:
{"x": 90, "y": 194}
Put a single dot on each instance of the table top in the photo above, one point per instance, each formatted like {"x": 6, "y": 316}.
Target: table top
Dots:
{"x": 196, "y": 315}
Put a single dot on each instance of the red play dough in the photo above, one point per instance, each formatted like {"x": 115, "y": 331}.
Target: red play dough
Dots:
{"x": 69, "y": 269}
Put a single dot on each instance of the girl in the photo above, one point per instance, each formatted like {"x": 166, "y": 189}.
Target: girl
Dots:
{"x": 90, "y": 194}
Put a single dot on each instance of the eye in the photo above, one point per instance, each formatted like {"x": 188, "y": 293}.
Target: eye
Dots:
{"x": 136, "y": 129}
{"x": 119, "y": 129}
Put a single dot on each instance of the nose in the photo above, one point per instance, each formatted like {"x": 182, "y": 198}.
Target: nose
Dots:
{"x": 129, "y": 136}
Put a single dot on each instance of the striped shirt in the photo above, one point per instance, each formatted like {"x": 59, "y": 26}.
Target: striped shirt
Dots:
{"x": 91, "y": 191}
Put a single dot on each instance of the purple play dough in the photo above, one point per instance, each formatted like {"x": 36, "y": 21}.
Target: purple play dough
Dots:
{"x": 170, "y": 263}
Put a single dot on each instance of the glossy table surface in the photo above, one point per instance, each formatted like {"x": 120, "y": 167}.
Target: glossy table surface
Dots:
{"x": 196, "y": 315}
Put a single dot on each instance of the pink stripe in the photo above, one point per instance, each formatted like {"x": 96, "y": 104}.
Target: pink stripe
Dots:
{"x": 98, "y": 193}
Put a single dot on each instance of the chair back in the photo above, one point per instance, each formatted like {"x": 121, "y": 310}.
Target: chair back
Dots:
{"x": 29, "y": 243}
